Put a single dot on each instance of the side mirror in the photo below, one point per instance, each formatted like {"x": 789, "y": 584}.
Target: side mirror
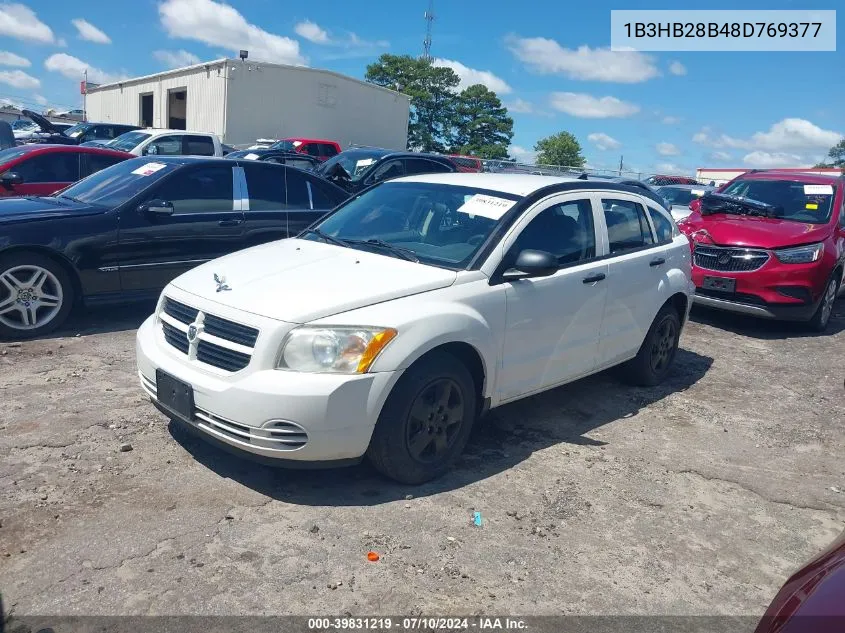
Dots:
{"x": 531, "y": 263}
{"x": 11, "y": 178}
{"x": 157, "y": 207}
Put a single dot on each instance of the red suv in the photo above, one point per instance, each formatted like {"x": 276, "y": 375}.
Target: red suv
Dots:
{"x": 320, "y": 149}
{"x": 770, "y": 244}
{"x": 42, "y": 170}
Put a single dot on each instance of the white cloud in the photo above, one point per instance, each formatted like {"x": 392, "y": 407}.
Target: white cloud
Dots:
{"x": 40, "y": 99}
{"x": 176, "y": 59}
{"x": 671, "y": 120}
{"x": 520, "y": 106}
{"x": 670, "y": 169}
{"x": 471, "y": 76}
{"x": 677, "y": 68}
{"x": 594, "y": 64}
{"x": 89, "y": 32}
{"x": 19, "y": 21}
{"x": 603, "y": 141}
{"x": 721, "y": 156}
{"x": 774, "y": 159}
{"x": 667, "y": 149}
{"x": 521, "y": 154}
{"x": 19, "y": 79}
{"x": 10, "y": 59}
{"x": 311, "y": 32}
{"x": 787, "y": 135}
{"x": 590, "y": 107}
{"x": 74, "y": 68}
{"x": 218, "y": 24}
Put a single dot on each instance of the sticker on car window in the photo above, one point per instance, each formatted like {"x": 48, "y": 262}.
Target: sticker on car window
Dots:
{"x": 812, "y": 206}
{"x": 486, "y": 206}
{"x": 697, "y": 192}
{"x": 251, "y": 156}
{"x": 148, "y": 169}
{"x": 819, "y": 190}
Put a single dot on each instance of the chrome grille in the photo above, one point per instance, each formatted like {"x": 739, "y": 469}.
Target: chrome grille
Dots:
{"x": 729, "y": 259}
{"x": 220, "y": 342}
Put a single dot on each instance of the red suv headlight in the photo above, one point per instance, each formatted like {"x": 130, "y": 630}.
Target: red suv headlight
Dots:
{"x": 800, "y": 254}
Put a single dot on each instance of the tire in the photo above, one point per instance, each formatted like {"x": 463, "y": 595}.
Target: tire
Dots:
{"x": 32, "y": 284}
{"x": 819, "y": 321}
{"x": 409, "y": 446}
{"x": 654, "y": 360}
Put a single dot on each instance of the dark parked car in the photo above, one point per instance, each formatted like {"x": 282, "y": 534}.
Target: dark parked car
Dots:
{"x": 40, "y": 170}
{"x": 125, "y": 232}
{"x": 281, "y": 157}
{"x": 357, "y": 169}
{"x": 76, "y": 134}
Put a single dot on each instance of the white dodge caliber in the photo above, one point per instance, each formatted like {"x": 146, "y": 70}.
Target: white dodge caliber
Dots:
{"x": 392, "y": 324}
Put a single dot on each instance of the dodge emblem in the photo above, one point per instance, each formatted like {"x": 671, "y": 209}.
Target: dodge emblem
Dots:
{"x": 192, "y": 333}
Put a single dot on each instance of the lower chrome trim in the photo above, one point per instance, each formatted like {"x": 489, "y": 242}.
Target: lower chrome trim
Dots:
{"x": 732, "y": 306}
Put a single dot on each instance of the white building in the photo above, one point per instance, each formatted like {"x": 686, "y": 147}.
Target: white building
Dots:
{"x": 244, "y": 100}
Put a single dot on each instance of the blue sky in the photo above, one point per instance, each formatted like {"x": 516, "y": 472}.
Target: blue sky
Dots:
{"x": 549, "y": 62}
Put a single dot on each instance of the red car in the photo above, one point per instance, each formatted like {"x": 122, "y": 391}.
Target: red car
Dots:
{"x": 770, "y": 244}
{"x": 320, "y": 149}
{"x": 468, "y": 164}
{"x": 813, "y": 599}
{"x": 42, "y": 170}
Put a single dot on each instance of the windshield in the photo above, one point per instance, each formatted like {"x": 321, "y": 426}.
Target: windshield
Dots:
{"x": 679, "y": 196}
{"x": 796, "y": 201}
{"x": 128, "y": 141}
{"x": 288, "y": 146}
{"x": 77, "y": 130}
{"x": 114, "y": 185}
{"x": 355, "y": 162}
{"x": 441, "y": 225}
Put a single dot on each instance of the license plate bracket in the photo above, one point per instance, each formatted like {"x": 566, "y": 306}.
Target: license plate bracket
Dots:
{"x": 174, "y": 395}
{"x": 722, "y": 284}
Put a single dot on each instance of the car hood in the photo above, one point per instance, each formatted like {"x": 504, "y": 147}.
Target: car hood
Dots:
{"x": 31, "y": 209}
{"x": 299, "y": 281}
{"x": 737, "y": 230}
{"x": 41, "y": 122}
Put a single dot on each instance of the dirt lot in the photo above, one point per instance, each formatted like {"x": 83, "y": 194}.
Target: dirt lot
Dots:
{"x": 697, "y": 497}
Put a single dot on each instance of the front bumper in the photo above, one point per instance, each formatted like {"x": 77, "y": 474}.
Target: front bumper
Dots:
{"x": 254, "y": 412}
{"x": 779, "y": 312}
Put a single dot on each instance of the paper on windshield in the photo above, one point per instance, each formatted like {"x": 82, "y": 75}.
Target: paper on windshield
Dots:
{"x": 818, "y": 190}
{"x": 698, "y": 192}
{"x": 486, "y": 206}
{"x": 148, "y": 169}
{"x": 364, "y": 162}
{"x": 251, "y": 156}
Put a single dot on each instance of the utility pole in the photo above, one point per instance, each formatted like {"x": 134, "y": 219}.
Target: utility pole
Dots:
{"x": 85, "y": 98}
{"x": 429, "y": 20}
{"x": 620, "y": 165}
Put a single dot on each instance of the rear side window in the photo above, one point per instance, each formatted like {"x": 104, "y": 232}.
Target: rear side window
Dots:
{"x": 313, "y": 149}
{"x": 199, "y": 146}
{"x": 202, "y": 190}
{"x": 627, "y": 226}
{"x": 266, "y": 187}
{"x": 55, "y": 167}
{"x": 422, "y": 166}
{"x": 327, "y": 150}
{"x": 325, "y": 198}
{"x": 92, "y": 163}
{"x": 297, "y": 190}
{"x": 663, "y": 226}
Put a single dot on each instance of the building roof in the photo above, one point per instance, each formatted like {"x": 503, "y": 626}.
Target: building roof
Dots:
{"x": 225, "y": 60}
{"x": 514, "y": 184}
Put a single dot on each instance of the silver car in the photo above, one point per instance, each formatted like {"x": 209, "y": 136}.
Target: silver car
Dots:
{"x": 679, "y": 197}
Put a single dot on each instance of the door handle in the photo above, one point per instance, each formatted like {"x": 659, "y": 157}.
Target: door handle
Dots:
{"x": 230, "y": 222}
{"x": 593, "y": 278}
{"x": 657, "y": 262}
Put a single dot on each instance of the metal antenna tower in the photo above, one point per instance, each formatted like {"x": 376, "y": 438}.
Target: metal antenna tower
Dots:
{"x": 429, "y": 20}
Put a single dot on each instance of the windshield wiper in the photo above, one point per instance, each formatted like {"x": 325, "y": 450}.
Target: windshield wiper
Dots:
{"x": 71, "y": 198}
{"x": 404, "y": 253}
{"x": 328, "y": 238}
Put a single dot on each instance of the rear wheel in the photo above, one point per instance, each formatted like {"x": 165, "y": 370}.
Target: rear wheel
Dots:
{"x": 36, "y": 295}
{"x": 822, "y": 316}
{"x": 426, "y": 420}
{"x": 653, "y": 362}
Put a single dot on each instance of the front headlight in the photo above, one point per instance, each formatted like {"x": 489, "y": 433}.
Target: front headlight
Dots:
{"x": 801, "y": 254}
{"x": 338, "y": 350}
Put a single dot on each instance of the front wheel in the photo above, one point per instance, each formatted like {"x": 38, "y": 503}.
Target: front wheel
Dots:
{"x": 426, "y": 420}
{"x": 36, "y": 295}
{"x": 652, "y": 363}
{"x": 822, "y": 316}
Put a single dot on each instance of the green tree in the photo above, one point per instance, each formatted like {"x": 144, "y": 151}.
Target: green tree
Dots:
{"x": 560, "y": 149}
{"x": 837, "y": 156}
{"x": 482, "y": 126}
{"x": 433, "y": 101}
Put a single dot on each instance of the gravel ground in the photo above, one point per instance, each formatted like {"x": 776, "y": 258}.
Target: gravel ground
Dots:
{"x": 696, "y": 497}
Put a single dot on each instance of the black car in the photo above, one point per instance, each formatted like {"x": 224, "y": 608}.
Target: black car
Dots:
{"x": 357, "y": 169}
{"x": 77, "y": 134}
{"x": 123, "y": 233}
{"x": 281, "y": 157}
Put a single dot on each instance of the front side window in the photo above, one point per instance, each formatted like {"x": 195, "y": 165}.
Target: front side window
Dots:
{"x": 441, "y": 225}
{"x": 266, "y": 187}
{"x": 129, "y": 141}
{"x": 793, "y": 200}
{"x": 199, "y": 146}
{"x": 679, "y": 196}
{"x": 312, "y": 149}
{"x": 354, "y": 162}
{"x": 165, "y": 146}
{"x": 627, "y": 226}
{"x": 202, "y": 190}
{"x": 56, "y": 167}
{"x": 565, "y": 230}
